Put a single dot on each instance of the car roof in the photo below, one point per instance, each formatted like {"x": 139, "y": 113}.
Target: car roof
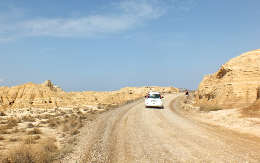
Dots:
{"x": 153, "y": 93}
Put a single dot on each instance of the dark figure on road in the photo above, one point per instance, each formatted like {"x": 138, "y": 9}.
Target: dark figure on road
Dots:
{"x": 187, "y": 93}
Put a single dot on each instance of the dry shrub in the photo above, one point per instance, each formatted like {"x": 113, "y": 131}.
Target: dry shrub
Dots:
{"x": 40, "y": 153}
{"x": 30, "y": 125}
{"x": 29, "y": 140}
{"x": 13, "y": 139}
{"x": 72, "y": 140}
{"x": 80, "y": 112}
{"x": 11, "y": 123}
{"x": 4, "y": 132}
{"x": 28, "y": 118}
{"x": 68, "y": 148}
{"x": 54, "y": 122}
{"x": 2, "y": 114}
{"x": 75, "y": 132}
{"x": 80, "y": 125}
{"x": 65, "y": 128}
{"x": 36, "y": 137}
{"x": 34, "y": 131}
{"x": 23, "y": 154}
{"x": 74, "y": 124}
{"x": 83, "y": 116}
{"x": 209, "y": 108}
{"x": 22, "y": 130}
{"x": 63, "y": 135}
{"x": 15, "y": 130}
{"x": 44, "y": 122}
{"x": 2, "y": 138}
{"x": 49, "y": 145}
{"x": 3, "y": 122}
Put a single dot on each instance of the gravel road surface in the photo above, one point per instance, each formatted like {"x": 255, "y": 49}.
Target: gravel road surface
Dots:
{"x": 133, "y": 133}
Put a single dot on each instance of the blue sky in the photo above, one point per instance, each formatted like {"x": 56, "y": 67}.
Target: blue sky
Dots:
{"x": 109, "y": 44}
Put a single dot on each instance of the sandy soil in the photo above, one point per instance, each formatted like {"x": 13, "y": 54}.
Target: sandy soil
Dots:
{"x": 133, "y": 133}
{"x": 236, "y": 119}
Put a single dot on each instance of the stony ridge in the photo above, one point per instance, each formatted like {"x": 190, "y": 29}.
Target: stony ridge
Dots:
{"x": 47, "y": 95}
{"x": 236, "y": 84}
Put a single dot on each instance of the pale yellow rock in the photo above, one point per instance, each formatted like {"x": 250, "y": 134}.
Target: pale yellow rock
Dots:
{"x": 236, "y": 84}
{"x": 47, "y": 95}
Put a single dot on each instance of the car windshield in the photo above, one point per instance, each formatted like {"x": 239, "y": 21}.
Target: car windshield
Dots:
{"x": 154, "y": 96}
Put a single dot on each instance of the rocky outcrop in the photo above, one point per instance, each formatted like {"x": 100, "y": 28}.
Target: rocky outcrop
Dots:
{"x": 236, "y": 84}
{"x": 47, "y": 95}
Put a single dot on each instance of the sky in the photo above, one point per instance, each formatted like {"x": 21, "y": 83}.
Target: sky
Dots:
{"x": 103, "y": 45}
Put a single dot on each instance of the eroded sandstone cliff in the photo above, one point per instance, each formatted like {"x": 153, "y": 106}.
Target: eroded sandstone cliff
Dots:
{"x": 236, "y": 84}
{"x": 47, "y": 95}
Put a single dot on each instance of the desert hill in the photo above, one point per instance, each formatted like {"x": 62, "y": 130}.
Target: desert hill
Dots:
{"x": 47, "y": 95}
{"x": 236, "y": 84}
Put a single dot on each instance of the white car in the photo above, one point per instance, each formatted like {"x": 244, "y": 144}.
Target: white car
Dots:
{"x": 153, "y": 99}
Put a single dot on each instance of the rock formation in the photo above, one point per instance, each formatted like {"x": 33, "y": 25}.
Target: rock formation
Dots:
{"x": 47, "y": 95}
{"x": 236, "y": 84}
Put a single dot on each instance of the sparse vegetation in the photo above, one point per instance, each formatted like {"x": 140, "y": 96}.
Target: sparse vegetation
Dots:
{"x": 29, "y": 140}
{"x": 39, "y": 153}
{"x": 2, "y": 138}
{"x": 36, "y": 137}
{"x": 33, "y": 146}
{"x": 65, "y": 128}
{"x": 13, "y": 139}
{"x": 209, "y": 108}
{"x": 75, "y": 132}
{"x": 2, "y": 113}
{"x": 34, "y": 131}
{"x": 11, "y": 123}
{"x": 4, "y": 131}
{"x": 30, "y": 125}
{"x": 53, "y": 122}
{"x": 28, "y": 118}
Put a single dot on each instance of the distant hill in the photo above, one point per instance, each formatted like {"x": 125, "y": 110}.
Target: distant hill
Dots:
{"x": 48, "y": 95}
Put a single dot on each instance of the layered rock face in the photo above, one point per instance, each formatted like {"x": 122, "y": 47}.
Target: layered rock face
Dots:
{"x": 236, "y": 84}
{"x": 47, "y": 95}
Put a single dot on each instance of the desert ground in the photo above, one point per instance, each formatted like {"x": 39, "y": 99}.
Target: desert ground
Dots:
{"x": 134, "y": 133}
{"x": 129, "y": 133}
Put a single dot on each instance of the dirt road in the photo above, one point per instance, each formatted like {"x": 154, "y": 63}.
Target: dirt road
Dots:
{"x": 134, "y": 133}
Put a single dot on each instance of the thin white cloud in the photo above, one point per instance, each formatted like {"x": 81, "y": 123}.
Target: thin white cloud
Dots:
{"x": 80, "y": 27}
{"x": 129, "y": 15}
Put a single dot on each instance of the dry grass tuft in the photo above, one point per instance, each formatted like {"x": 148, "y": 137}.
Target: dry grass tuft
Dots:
{"x": 13, "y": 139}
{"x": 29, "y": 140}
{"x": 11, "y": 123}
{"x": 28, "y": 118}
{"x": 3, "y": 131}
{"x": 15, "y": 130}
{"x": 21, "y": 155}
{"x": 75, "y": 132}
{"x": 206, "y": 108}
{"x": 2, "y": 114}
{"x": 34, "y": 131}
{"x": 68, "y": 148}
{"x": 40, "y": 153}
{"x": 65, "y": 128}
{"x": 36, "y": 137}
{"x": 2, "y": 138}
{"x": 54, "y": 122}
{"x": 30, "y": 125}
